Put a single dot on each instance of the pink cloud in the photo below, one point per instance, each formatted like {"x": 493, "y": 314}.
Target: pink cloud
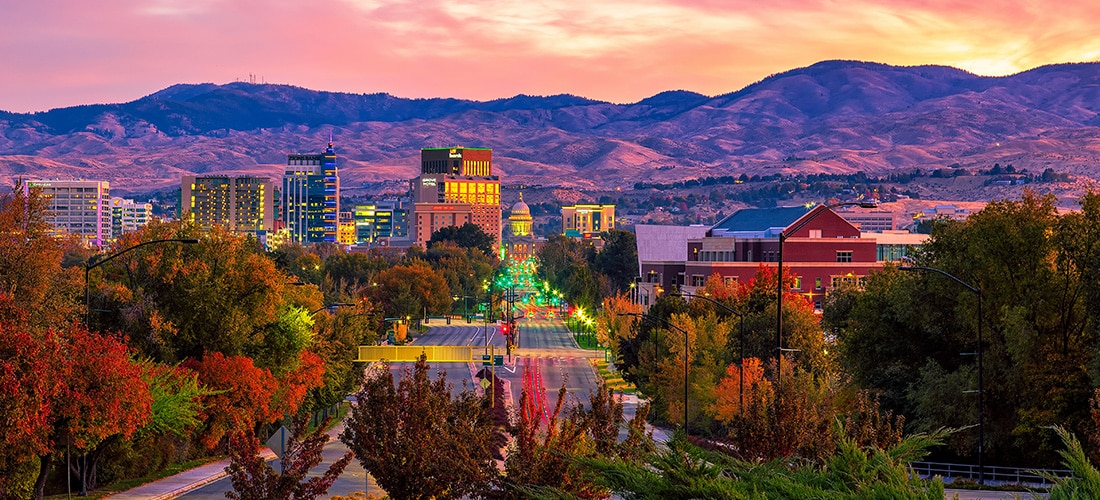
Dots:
{"x": 66, "y": 52}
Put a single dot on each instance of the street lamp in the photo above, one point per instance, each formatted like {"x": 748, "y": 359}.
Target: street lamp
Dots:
{"x": 741, "y": 350}
{"x": 92, "y": 263}
{"x": 981, "y": 389}
{"x": 783, "y": 235}
{"x": 686, "y": 364}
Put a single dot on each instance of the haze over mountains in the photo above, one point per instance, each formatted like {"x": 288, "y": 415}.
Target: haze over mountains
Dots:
{"x": 834, "y": 116}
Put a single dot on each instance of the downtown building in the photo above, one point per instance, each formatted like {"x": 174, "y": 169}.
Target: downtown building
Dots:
{"x": 238, "y": 203}
{"x": 456, "y": 185}
{"x": 311, "y": 198}
{"x": 77, "y": 207}
{"x": 128, "y": 216}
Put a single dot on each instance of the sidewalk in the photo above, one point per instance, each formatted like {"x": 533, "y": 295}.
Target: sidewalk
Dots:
{"x": 192, "y": 479}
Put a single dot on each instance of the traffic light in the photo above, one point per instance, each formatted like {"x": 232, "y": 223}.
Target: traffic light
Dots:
{"x": 504, "y": 329}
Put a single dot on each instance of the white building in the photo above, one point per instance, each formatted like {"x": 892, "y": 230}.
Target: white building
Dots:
{"x": 77, "y": 207}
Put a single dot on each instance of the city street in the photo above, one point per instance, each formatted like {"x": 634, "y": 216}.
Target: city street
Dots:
{"x": 552, "y": 353}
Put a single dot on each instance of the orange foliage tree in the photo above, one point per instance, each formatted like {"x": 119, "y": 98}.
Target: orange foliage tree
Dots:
{"x": 243, "y": 398}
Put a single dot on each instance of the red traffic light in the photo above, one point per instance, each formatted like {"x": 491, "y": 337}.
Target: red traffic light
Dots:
{"x": 504, "y": 328}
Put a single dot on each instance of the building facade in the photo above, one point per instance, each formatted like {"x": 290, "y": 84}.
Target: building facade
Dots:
{"x": 824, "y": 253}
{"x": 78, "y": 207}
{"x": 584, "y": 221}
{"x": 238, "y": 203}
{"x": 311, "y": 197}
{"x": 520, "y": 244}
{"x": 383, "y": 219}
{"x": 127, "y": 216}
{"x": 456, "y": 184}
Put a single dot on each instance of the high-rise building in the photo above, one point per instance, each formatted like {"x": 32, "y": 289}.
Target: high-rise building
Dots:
{"x": 77, "y": 207}
{"x": 311, "y": 197}
{"x": 127, "y": 216}
{"x": 237, "y": 203}
{"x": 456, "y": 185}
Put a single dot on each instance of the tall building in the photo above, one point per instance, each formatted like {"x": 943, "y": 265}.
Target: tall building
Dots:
{"x": 456, "y": 185}
{"x": 237, "y": 203}
{"x": 77, "y": 207}
{"x": 127, "y": 216}
{"x": 311, "y": 197}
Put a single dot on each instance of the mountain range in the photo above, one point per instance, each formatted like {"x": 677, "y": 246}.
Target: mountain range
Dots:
{"x": 831, "y": 117}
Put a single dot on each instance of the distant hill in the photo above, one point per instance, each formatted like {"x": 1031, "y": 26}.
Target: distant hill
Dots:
{"x": 834, "y": 116}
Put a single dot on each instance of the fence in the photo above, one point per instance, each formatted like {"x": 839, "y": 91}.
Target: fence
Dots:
{"x": 993, "y": 474}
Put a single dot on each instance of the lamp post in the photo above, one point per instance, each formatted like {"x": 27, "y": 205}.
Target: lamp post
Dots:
{"x": 741, "y": 350}
{"x": 92, "y": 264}
{"x": 783, "y": 235}
{"x": 686, "y": 364}
{"x": 981, "y": 389}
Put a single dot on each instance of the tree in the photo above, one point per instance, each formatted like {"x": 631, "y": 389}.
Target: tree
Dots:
{"x": 410, "y": 289}
{"x": 469, "y": 235}
{"x": 618, "y": 260}
{"x": 253, "y": 479}
{"x": 416, "y": 439}
{"x": 243, "y": 398}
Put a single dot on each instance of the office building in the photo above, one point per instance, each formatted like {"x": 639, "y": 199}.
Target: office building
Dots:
{"x": 587, "y": 221}
{"x": 237, "y": 203}
{"x": 127, "y": 216}
{"x": 456, "y": 185}
{"x": 311, "y": 197}
{"x": 384, "y": 219}
{"x": 78, "y": 207}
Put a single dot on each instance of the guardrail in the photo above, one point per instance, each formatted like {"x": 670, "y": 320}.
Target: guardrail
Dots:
{"x": 993, "y": 474}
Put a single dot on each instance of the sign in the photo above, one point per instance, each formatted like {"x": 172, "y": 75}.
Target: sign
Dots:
{"x": 277, "y": 441}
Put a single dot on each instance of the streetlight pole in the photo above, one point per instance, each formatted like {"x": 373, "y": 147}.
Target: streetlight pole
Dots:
{"x": 686, "y": 364}
{"x": 93, "y": 263}
{"x": 741, "y": 350}
{"x": 783, "y": 235}
{"x": 981, "y": 389}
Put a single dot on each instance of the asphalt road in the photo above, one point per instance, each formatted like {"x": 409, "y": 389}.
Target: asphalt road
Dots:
{"x": 545, "y": 348}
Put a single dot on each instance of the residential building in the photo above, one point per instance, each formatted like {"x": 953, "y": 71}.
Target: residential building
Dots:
{"x": 456, "y": 185}
{"x": 127, "y": 216}
{"x": 78, "y": 207}
{"x": 238, "y": 203}
{"x": 311, "y": 197}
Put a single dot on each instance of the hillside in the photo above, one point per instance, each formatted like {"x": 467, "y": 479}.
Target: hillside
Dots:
{"x": 834, "y": 116}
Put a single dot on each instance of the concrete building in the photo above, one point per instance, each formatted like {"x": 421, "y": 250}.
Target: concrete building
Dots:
{"x": 383, "y": 219}
{"x": 127, "y": 216}
{"x": 311, "y": 197}
{"x": 521, "y": 244}
{"x": 238, "y": 203}
{"x": 875, "y": 221}
{"x": 456, "y": 185}
{"x": 77, "y": 207}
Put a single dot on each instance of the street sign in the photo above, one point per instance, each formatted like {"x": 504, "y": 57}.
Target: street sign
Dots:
{"x": 277, "y": 442}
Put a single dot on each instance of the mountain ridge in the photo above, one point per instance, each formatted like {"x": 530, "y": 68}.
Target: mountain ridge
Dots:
{"x": 833, "y": 116}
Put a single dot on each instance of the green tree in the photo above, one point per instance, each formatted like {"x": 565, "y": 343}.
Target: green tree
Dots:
{"x": 468, "y": 235}
{"x": 618, "y": 260}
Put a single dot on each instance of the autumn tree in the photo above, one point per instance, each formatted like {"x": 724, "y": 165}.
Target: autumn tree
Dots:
{"x": 410, "y": 290}
{"x": 416, "y": 439}
{"x": 254, "y": 479}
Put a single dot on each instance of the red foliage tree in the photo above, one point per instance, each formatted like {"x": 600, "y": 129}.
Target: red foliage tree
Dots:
{"x": 253, "y": 479}
{"x": 244, "y": 394}
{"x": 295, "y": 385}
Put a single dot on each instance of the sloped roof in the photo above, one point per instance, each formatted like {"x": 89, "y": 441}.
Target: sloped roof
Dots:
{"x": 758, "y": 222}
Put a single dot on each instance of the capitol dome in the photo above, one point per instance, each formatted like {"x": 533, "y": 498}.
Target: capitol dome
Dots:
{"x": 520, "y": 218}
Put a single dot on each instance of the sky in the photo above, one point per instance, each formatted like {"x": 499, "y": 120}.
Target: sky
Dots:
{"x": 58, "y": 53}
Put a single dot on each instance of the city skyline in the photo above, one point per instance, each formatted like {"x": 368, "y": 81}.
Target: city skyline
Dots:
{"x": 620, "y": 52}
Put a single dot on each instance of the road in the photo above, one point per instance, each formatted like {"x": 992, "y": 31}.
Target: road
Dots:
{"x": 545, "y": 347}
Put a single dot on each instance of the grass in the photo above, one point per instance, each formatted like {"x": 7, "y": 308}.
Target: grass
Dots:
{"x": 612, "y": 378}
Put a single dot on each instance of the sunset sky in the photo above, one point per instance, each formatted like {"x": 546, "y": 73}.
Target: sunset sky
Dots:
{"x": 57, "y": 53}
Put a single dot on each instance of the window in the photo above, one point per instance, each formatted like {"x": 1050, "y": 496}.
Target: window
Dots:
{"x": 815, "y": 233}
{"x": 843, "y": 255}
{"x": 730, "y": 280}
{"x": 698, "y": 280}
{"x": 797, "y": 283}
{"x": 817, "y": 283}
